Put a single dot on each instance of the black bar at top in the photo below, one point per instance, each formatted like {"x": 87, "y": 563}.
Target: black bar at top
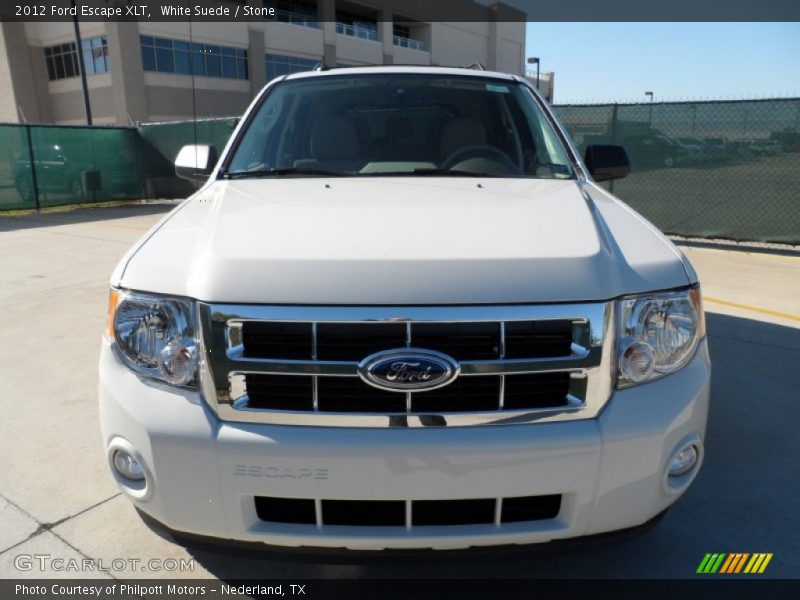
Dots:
{"x": 424, "y": 10}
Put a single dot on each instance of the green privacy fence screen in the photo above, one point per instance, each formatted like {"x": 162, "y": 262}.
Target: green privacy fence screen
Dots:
{"x": 161, "y": 143}
{"x": 707, "y": 169}
{"x": 42, "y": 166}
{"x": 46, "y": 165}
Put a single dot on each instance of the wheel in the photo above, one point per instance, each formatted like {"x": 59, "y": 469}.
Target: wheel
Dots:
{"x": 669, "y": 162}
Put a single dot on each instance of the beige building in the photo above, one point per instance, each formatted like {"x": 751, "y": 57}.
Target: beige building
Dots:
{"x": 158, "y": 71}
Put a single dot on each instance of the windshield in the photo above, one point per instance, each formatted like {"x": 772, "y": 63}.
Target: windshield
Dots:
{"x": 399, "y": 124}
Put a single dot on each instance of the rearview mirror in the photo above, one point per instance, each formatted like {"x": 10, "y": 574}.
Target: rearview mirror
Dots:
{"x": 195, "y": 161}
{"x": 606, "y": 162}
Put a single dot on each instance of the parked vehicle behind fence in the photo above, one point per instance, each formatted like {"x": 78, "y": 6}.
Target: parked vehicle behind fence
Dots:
{"x": 764, "y": 147}
{"x": 789, "y": 139}
{"x": 55, "y": 174}
{"x": 695, "y": 149}
{"x": 653, "y": 150}
{"x": 63, "y": 172}
{"x": 718, "y": 148}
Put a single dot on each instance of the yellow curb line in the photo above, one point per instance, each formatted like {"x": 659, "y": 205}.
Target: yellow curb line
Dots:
{"x": 753, "y": 252}
{"x": 766, "y": 311}
{"x": 783, "y": 257}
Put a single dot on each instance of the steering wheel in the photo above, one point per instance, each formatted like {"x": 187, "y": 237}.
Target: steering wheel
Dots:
{"x": 479, "y": 149}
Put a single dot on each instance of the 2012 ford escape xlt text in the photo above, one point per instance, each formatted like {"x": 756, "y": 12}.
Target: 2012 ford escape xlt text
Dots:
{"x": 401, "y": 313}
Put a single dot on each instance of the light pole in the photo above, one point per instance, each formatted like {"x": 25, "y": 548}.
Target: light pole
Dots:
{"x": 535, "y": 60}
{"x": 86, "y": 104}
{"x": 650, "y": 122}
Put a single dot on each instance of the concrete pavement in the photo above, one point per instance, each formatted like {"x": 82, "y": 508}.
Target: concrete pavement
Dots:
{"x": 56, "y": 496}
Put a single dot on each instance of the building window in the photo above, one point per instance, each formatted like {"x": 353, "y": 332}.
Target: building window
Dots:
{"x": 280, "y": 64}
{"x": 95, "y": 55}
{"x": 401, "y": 36}
{"x": 403, "y": 31}
{"x": 296, "y": 12}
{"x": 356, "y": 26}
{"x": 62, "y": 59}
{"x": 184, "y": 58}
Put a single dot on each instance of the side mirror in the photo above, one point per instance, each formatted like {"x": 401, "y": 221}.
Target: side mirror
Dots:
{"x": 607, "y": 162}
{"x": 195, "y": 162}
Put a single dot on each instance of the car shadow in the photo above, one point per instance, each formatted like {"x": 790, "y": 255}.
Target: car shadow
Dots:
{"x": 776, "y": 249}
{"x": 742, "y": 500}
{"x": 87, "y": 214}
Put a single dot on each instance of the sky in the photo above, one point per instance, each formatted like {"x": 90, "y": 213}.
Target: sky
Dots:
{"x": 677, "y": 61}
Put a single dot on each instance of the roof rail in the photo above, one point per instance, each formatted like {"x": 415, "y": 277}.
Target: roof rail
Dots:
{"x": 321, "y": 66}
{"x": 324, "y": 67}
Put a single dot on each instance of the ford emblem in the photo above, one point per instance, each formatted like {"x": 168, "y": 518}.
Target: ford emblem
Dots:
{"x": 408, "y": 370}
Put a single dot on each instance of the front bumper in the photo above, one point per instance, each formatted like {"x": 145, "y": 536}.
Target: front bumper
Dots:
{"x": 203, "y": 473}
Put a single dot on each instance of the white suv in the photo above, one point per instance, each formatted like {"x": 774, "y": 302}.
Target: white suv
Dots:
{"x": 400, "y": 313}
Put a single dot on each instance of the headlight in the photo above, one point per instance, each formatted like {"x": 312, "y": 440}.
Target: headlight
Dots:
{"x": 657, "y": 334}
{"x": 154, "y": 335}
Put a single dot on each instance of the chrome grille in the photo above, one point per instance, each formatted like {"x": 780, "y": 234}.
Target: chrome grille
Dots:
{"x": 299, "y": 365}
{"x": 465, "y": 394}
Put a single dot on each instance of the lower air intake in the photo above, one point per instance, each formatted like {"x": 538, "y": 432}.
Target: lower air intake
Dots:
{"x": 422, "y": 513}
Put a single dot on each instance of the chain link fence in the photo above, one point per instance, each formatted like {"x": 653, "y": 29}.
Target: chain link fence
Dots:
{"x": 47, "y": 165}
{"x": 43, "y": 166}
{"x": 726, "y": 169}
{"x": 161, "y": 143}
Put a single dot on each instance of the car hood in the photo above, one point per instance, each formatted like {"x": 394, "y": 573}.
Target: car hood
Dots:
{"x": 402, "y": 240}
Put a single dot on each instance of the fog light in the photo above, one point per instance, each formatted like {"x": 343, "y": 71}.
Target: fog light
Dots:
{"x": 637, "y": 362}
{"x": 127, "y": 466}
{"x": 683, "y": 461}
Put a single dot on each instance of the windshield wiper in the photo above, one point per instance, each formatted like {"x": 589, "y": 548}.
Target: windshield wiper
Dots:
{"x": 280, "y": 171}
{"x": 426, "y": 171}
{"x": 451, "y": 172}
{"x": 420, "y": 172}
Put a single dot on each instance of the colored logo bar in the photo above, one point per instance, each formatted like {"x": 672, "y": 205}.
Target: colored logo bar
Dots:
{"x": 733, "y": 563}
